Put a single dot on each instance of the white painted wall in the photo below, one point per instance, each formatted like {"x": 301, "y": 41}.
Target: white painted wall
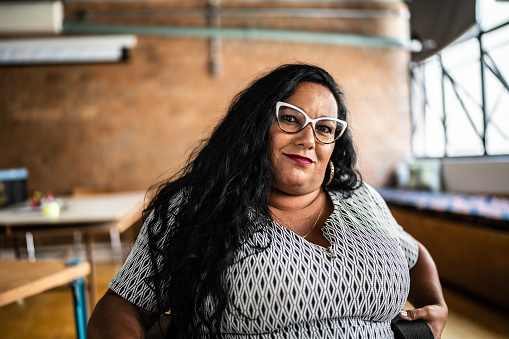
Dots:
{"x": 473, "y": 175}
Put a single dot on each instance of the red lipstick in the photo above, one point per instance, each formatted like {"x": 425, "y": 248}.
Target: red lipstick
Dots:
{"x": 300, "y": 159}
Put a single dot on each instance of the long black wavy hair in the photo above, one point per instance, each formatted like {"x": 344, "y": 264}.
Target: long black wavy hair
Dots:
{"x": 228, "y": 176}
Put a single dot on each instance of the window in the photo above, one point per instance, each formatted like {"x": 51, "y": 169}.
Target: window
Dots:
{"x": 460, "y": 96}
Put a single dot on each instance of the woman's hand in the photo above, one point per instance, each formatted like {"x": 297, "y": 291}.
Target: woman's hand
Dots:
{"x": 426, "y": 294}
{"x": 434, "y": 315}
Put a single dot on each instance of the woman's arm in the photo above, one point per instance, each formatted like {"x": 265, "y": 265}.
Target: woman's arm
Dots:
{"x": 115, "y": 317}
{"x": 426, "y": 294}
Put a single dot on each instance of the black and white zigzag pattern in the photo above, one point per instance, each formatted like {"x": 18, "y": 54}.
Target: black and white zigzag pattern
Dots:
{"x": 296, "y": 289}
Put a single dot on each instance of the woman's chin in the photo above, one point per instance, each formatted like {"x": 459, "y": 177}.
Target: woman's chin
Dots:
{"x": 296, "y": 187}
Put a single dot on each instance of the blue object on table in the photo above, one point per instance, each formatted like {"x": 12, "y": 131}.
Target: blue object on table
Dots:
{"x": 79, "y": 295}
{"x": 13, "y": 186}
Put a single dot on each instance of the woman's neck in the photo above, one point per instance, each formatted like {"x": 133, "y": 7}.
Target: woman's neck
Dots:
{"x": 287, "y": 202}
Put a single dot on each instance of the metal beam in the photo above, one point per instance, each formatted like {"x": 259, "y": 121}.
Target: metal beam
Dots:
{"x": 318, "y": 13}
{"x": 239, "y": 33}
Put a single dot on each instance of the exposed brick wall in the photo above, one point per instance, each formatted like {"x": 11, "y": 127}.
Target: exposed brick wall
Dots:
{"x": 121, "y": 126}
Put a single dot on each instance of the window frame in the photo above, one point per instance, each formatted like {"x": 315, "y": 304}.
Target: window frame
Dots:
{"x": 422, "y": 112}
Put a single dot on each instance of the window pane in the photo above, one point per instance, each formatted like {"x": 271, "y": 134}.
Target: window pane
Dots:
{"x": 463, "y": 102}
{"x": 434, "y": 134}
{"x": 418, "y": 102}
{"x": 464, "y": 124}
{"x": 496, "y": 44}
{"x": 491, "y": 13}
{"x": 460, "y": 54}
{"x": 496, "y": 40}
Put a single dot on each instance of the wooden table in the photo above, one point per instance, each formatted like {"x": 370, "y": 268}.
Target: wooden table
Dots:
{"x": 111, "y": 213}
{"x": 21, "y": 279}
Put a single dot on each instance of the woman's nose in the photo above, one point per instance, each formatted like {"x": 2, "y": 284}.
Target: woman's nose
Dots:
{"x": 306, "y": 136}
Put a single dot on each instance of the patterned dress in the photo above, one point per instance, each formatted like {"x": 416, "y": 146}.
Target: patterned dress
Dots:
{"x": 297, "y": 289}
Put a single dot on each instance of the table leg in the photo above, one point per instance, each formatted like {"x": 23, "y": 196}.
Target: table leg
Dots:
{"x": 80, "y": 308}
{"x": 92, "y": 283}
{"x": 79, "y": 293}
{"x": 116, "y": 247}
{"x": 30, "y": 246}
{"x": 17, "y": 245}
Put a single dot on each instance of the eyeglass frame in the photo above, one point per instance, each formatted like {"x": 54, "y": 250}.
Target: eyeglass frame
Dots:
{"x": 309, "y": 120}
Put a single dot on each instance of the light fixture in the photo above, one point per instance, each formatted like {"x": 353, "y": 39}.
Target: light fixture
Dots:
{"x": 21, "y": 19}
{"x": 76, "y": 49}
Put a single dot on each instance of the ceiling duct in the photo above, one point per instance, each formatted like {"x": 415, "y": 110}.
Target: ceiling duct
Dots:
{"x": 437, "y": 23}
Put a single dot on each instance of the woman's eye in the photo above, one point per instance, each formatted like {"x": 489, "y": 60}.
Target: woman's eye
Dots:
{"x": 324, "y": 129}
{"x": 288, "y": 118}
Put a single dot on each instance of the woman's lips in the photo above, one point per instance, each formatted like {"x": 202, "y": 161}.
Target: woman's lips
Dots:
{"x": 300, "y": 159}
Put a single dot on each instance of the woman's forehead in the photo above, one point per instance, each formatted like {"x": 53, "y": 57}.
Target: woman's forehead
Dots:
{"x": 314, "y": 99}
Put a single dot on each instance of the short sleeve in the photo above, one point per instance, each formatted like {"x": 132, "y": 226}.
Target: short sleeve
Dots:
{"x": 407, "y": 243}
{"x": 130, "y": 282}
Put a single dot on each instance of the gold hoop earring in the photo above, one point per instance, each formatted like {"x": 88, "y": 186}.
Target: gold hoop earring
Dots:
{"x": 331, "y": 176}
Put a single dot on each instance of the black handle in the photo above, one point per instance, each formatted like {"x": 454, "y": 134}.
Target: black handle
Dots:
{"x": 415, "y": 329}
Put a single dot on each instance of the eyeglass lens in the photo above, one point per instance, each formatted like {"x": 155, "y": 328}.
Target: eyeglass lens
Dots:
{"x": 291, "y": 121}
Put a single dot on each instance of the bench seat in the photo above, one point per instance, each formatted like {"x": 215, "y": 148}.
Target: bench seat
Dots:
{"x": 467, "y": 236}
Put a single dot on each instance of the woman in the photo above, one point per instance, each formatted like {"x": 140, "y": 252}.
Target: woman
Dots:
{"x": 269, "y": 231}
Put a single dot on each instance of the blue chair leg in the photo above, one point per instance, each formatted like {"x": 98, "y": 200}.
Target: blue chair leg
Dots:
{"x": 79, "y": 295}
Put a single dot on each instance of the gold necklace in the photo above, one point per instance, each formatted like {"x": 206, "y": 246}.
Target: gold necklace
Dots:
{"x": 291, "y": 228}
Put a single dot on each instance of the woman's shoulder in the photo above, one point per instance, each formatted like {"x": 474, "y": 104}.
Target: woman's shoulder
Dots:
{"x": 363, "y": 195}
{"x": 167, "y": 203}
{"x": 361, "y": 188}
{"x": 170, "y": 198}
